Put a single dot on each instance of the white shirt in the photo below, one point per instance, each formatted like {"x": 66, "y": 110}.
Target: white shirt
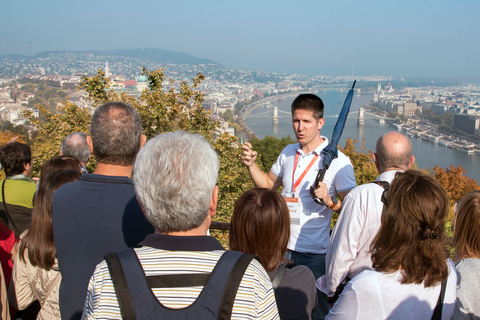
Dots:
{"x": 312, "y": 234}
{"x": 377, "y": 295}
{"x": 357, "y": 225}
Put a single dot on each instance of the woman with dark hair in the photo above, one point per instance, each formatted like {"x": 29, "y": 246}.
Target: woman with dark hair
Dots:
{"x": 466, "y": 239}
{"x": 58, "y": 163}
{"x": 410, "y": 258}
{"x": 260, "y": 225}
{"x": 35, "y": 271}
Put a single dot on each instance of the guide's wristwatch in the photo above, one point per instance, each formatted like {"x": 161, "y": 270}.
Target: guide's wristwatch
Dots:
{"x": 335, "y": 201}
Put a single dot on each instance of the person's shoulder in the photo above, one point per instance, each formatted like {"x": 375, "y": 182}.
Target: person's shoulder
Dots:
{"x": 24, "y": 184}
{"x": 301, "y": 272}
{"x": 366, "y": 188}
{"x": 364, "y": 277}
{"x": 291, "y": 148}
{"x": 67, "y": 189}
{"x": 341, "y": 157}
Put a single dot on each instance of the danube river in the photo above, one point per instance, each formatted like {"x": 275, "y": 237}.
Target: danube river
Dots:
{"x": 427, "y": 154}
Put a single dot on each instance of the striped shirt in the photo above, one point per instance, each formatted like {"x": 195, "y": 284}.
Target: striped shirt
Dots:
{"x": 255, "y": 297}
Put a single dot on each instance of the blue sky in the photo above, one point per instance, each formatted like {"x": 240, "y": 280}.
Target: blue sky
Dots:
{"x": 422, "y": 37}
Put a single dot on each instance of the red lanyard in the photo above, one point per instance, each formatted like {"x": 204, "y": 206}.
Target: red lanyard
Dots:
{"x": 296, "y": 183}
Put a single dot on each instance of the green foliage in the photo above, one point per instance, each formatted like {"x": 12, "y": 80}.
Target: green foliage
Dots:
{"x": 69, "y": 118}
{"x": 362, "y": 162}
{"x": 96, "y": 87}
{"x": 233, "y": 177}
{"x": 228, "y": 116}
{"x": 268, "y": 150}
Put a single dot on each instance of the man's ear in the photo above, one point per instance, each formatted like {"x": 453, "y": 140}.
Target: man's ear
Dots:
{"x": 143, "y": 141}
{"x": 213, "y": 202}
{"x": 90, "y": 144}
{"x": 375, "y": 160}
{"x": 412, "y": 160}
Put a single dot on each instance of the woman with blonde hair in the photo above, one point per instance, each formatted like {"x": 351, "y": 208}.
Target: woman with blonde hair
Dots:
{"x": 466, "y": 239}
{"x": 413, "y": 276}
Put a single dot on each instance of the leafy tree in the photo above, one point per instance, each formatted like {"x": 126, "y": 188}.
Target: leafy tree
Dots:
{"x": 268, "y": 150}
{"x": 70, "y": 118}
{"x": 362, "y": 161}
{"x": 403, "y": 118}
{"x": 228, "y": 116}
{"x": 455, "y": 182}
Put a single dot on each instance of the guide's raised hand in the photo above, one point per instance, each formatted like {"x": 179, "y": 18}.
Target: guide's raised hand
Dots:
{"x": 248, "y": 155}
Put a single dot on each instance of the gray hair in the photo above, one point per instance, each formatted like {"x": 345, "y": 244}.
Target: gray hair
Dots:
{"x": 75, "y": 145}
{"x": 394, "y": 150}
{"x": 116, "y": 131}
{"x": 175, "y": 175}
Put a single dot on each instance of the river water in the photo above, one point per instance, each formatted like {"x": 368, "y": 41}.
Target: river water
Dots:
{"x": 427, "y": 154}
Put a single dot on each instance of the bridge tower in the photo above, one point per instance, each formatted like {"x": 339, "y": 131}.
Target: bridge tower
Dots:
{"x": 275, "y": 115}
{"x": 361, "y": 116}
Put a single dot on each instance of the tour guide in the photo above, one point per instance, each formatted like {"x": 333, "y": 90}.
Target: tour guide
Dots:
{"x": 296, "y": 169}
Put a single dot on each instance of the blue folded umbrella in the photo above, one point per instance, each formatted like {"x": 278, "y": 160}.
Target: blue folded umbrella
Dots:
{"x": 330, "y": 152}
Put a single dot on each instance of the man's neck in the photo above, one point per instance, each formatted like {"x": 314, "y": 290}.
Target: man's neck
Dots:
{"x": 113, "y": 170}
{"x": 314, "y": 144}
{"x": 201, "y": 230}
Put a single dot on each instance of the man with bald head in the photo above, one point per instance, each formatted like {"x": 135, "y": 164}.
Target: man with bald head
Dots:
{"x": 348, "y": 250}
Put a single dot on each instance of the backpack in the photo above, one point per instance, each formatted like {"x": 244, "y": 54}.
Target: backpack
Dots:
{"x": 215, "y": 301}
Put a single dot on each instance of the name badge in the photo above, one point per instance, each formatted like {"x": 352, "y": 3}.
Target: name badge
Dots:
{"x": 295, "y": 208}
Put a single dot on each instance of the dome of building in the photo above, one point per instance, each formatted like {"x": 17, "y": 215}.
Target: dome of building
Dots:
{"x": 142, "y": 78}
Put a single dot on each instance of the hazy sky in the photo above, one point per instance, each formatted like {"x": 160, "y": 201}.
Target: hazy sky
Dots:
{"x": 407, "y": 37}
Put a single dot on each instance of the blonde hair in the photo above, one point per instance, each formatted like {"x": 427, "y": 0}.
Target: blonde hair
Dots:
{"x": 466, "y": 226}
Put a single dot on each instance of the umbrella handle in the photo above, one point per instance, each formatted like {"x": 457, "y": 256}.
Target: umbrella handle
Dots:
{"x": 320, "y": 176}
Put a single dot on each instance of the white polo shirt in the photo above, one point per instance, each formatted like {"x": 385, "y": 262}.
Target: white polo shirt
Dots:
{"x": 312, "y": 233}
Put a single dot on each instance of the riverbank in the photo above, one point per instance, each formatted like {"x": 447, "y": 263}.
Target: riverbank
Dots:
{"x": 427, "y": 153}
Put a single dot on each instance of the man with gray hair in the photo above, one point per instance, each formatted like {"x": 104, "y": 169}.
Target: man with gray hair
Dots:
{"x": 99, "y": 213}
{"x": 348, "y": 252}
{"x": 175, "y": 179}
{"x": 75, "y": 145}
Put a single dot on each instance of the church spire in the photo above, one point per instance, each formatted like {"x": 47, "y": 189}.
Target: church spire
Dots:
{"x": 107, "y": 72}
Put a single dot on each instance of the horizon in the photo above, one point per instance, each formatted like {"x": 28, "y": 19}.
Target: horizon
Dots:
{"x": 432, "y": 39}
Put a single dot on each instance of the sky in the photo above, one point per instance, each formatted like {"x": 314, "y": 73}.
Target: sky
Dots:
{"x": 334, "y": 37}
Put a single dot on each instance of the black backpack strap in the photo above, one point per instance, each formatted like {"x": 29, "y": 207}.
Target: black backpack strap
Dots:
{"x": 386, "y": 186}
{"x": 233, "y": 282}
{"x": 9, "y": 218}
{"x": 121, "y": 287}
{"x": 437, "y": 313}
{"x": 279, "y": 276}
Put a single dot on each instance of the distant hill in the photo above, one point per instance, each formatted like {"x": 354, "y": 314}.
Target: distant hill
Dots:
{"x": 151, "y": 54}
{"x": 14, "y": 56}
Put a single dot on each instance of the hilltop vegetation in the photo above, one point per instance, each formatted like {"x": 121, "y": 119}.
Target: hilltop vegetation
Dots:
{"x": 163, "y": 110}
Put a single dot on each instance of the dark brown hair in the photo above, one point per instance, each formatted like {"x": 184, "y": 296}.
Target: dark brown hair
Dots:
{"x": 309, "y": 102}
{"x": 39, "y": 237}
{"x": 412, "y": 237}
{"x": 14, "y": 156}
{"x": 260, "y": 225}
{"x": 466, "y": 226}
{"x": 59, "y": 163}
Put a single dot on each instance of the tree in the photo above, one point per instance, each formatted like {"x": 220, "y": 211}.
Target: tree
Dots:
{"x": 70, "y": 118}
{"x": 362, "y": 161}
{"x": 268, "y": 150}
{"x": 228, "y": 116}
{"x": 455, "y": 182}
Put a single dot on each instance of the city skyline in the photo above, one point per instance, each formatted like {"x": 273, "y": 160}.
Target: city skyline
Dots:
{"x": 408, "y": 38}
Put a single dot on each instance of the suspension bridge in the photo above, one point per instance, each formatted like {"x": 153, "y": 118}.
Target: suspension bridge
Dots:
{"x": 275, "y": 114}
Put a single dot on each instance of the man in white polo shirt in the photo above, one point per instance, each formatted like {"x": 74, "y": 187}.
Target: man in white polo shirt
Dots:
{"x": 296, "y": 169}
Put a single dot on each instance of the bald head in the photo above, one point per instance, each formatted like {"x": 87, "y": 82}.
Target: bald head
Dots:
{"x": 393, "y": 151}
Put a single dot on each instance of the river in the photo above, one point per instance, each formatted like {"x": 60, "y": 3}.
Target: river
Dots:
{"x": 427, "y": 154}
